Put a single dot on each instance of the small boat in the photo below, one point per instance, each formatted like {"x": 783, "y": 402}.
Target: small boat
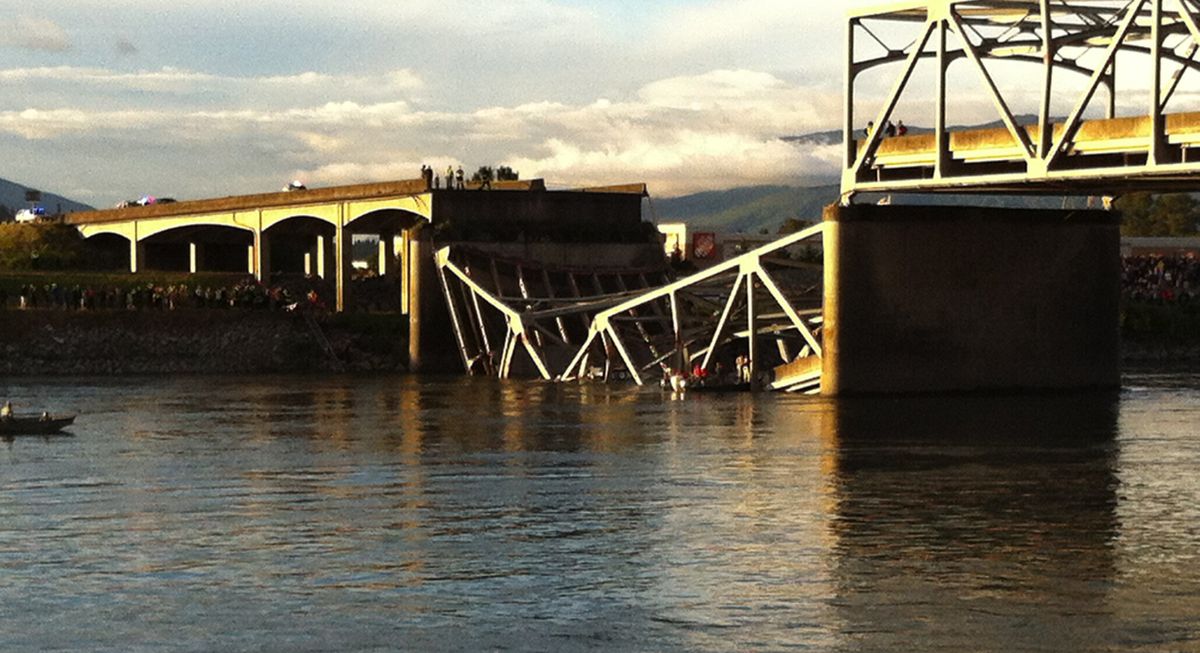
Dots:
{"x": 34, "y": 425}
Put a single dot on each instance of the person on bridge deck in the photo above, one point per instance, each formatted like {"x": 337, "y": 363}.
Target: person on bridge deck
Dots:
{"x": 901, "y": 128}
{"x": 449, "y": 177}
{"x": 458, "y": 178}
{"x": 869, "y": 129}
{"x": 6, "y": 410}
{"x": 890, "y": 130}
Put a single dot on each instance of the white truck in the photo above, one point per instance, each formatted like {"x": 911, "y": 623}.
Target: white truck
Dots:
{"x": 31, "y": 214}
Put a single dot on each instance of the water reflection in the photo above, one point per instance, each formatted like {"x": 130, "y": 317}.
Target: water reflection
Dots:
{"x": 433, "y": 514}
{"x": 956, "y": 516}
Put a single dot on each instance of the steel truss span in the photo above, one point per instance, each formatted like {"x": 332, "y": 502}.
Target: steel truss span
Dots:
{"x": 516, "y": 318}
{"x": 1103, "y": 56}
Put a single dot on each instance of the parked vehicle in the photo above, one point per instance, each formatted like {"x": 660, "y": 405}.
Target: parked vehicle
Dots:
{"x": 31, "y": 214}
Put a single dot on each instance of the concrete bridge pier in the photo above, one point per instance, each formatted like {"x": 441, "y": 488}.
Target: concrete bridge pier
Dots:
{"x": 137, "y": 255}
{"x": 195, "y": 257}
{"x": 262, "y": 260}
{"x": 404, "y": 261}
{"x": 431, "y": 346}
{"x": 387, "y": 246}
{"x": 343, "y": 246}
{"x": 947, "y": 299}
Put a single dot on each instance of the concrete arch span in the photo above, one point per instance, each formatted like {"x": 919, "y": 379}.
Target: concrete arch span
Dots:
{"x": 109, "y": 250}
{"x": 385, "y": 220}
{"x": 299, "y": 245}
{"x": 198, "y": 247}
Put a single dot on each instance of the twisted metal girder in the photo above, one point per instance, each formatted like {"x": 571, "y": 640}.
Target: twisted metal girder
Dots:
{"x": 719, "y": 297}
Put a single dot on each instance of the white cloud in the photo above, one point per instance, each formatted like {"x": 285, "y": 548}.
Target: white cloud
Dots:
{"x": 713, "y": 130}
{"x": 32, "y": 33}
{"x": 170, "y": 79}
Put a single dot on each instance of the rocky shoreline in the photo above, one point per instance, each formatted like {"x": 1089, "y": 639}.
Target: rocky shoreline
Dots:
{"x": 64, "y": 343}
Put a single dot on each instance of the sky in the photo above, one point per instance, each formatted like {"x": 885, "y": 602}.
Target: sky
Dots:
{"x": 108, "y": 100}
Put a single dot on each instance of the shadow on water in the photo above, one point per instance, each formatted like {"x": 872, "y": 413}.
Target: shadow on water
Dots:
{"x": 975, "y": 523}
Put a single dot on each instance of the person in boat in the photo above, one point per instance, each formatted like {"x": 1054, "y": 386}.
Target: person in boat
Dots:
{"x": 6, "y": 411}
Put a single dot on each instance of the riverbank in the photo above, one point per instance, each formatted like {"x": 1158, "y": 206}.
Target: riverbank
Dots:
{"x": 207, "y": 341}
{"x": 1155, "y": 332}
{"x": 51, "y": 342}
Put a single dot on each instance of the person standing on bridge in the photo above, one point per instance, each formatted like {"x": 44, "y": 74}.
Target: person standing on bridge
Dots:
{"x": 449, "y": 177}
{"x": 890, "y": 130}
{"x": 901, "y": 129}
{"x": 458, "y": 178}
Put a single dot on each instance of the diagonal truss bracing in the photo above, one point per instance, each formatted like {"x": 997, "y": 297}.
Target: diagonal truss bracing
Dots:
{"x": 1142, "y": 135}
{"x": 514, "y": 318}
{"x": 713, "y": 316}
{"x": 640, "y": 322}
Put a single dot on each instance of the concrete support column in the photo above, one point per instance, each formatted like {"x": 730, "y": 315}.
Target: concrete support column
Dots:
{"x": 949, "y": 299}
{"x": 137, "y": 256}
{"x": 195, "y": 257}
{"x": 251, "y": 260}
{"x": 321, "y": 270}
{"x": 418, "y": 250}
{"x": 386, "y": 252}
{"x": 344, "y": 253}
{"x": 405, "y": 263}
{"x": 263, "y": 245}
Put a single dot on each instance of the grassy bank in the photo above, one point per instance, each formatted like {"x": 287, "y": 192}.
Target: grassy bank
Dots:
{"x": 12, "y": 281}
{"x": 1161, "y": 324}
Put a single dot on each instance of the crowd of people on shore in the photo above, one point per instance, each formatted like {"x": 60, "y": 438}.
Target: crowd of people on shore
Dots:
{"x": 1153, "y": 278}
{"x": 243, "y": 295}
{"x": 1161, "y": 279}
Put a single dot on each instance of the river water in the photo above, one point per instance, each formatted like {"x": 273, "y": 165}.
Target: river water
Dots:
{"x": 304, "y": 514}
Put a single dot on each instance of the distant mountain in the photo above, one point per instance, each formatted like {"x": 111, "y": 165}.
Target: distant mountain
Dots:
{"x": 748, "y": 209}
{"x": 753, "y": 209}
{"x": 12, "y": 195}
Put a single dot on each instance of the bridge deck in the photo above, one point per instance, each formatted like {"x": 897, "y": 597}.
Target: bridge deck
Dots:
{"x": 251, "y": 202}
{"x": 994, "y": 160}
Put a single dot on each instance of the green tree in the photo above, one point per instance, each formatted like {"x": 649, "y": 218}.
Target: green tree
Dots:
{"x": 792, "y": 225}
{"x": 1144, "y": 214}
{"x": 1177, "y": 214}
{"x": 505, "y": 173}
{"x": 1136, "y": 214}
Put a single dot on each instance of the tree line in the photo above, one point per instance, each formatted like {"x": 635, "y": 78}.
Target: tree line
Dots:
{"x": 1147, "y": 214}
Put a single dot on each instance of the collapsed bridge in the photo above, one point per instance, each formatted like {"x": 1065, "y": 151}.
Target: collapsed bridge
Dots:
{"x": 577, "y": 323}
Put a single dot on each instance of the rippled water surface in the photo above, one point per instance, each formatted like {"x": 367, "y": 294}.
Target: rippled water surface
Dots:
{"x": 293, "y": 514}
